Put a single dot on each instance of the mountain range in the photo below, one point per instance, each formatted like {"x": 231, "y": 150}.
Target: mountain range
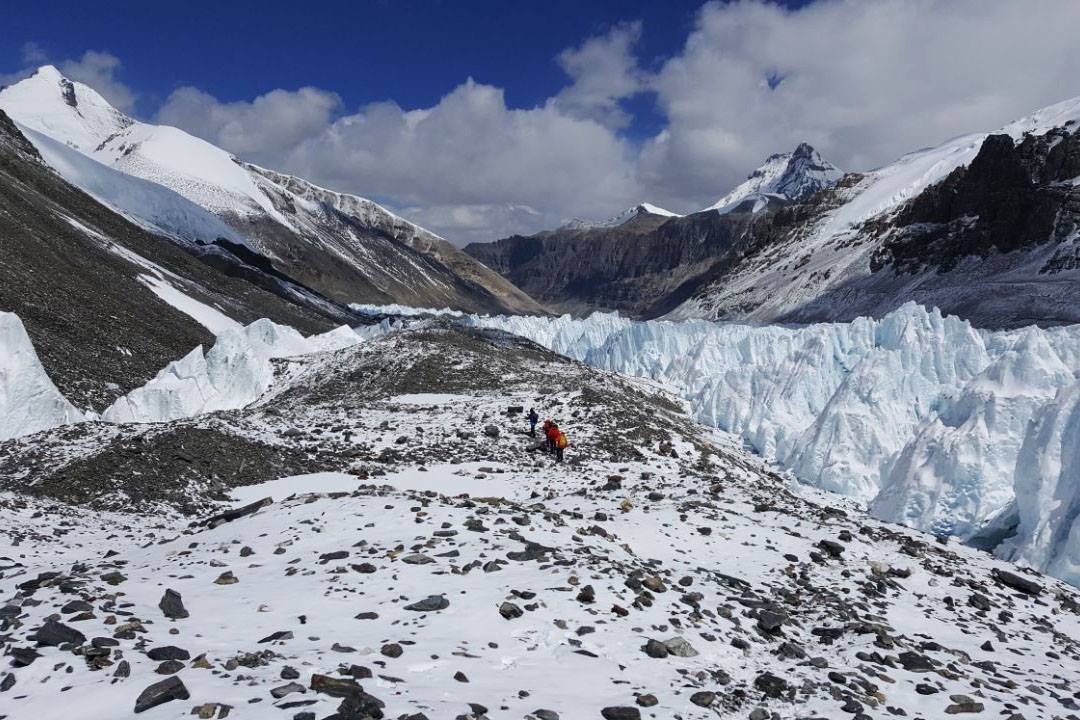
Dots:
{"x": 984, "y": 226}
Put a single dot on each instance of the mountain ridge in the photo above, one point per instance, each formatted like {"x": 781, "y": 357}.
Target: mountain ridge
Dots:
{"x": 362, "y": 254}
{"x": 863, "y": 244}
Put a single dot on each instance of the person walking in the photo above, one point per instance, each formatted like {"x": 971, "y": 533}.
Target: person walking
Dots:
{"x": 533, "y": 419}
{"x": 560, "y": 445}
{"x": 552, "y": 434}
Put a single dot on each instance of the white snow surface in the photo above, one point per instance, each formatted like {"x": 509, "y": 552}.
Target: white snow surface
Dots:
{"x": 204, "y": 174}
{"x": 144, "y": 202}
{"x": 209, "y": 317}
{"x": 402, "y": 310}
{"x": 29, "y": 401}
{"x": 922, "y": 417}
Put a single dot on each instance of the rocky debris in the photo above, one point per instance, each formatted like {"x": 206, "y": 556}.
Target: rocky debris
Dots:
{"x": 833, "y": 548}
{"x": 529, "y": 563}
{"x": 963, "y": 704}
{"x": 914, "y": 662}
{"x": 703, "y": 698}
{"x": 168, "y": 652}
{"x": 771, "y": 621}
{"x": 431, "y": 603}
{"x": 159, "y": 693}
{"x": 55, "y": 633}
{"x": 510, "y": 611}
{"x": 621, "y": 712}
{"x": 1017, "y": 582}
{"x": 172, "y": 605}
{"x": 229, "y": 515}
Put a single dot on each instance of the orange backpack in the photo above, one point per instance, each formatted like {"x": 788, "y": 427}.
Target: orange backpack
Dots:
{"x": 561, "y": 442}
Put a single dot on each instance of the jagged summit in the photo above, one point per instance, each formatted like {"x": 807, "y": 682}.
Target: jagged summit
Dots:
{"x": 786, "y": 177}
{"x": 622, "y": 218}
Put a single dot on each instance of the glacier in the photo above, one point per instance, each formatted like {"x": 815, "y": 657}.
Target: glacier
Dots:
{"x": 29, "y": 401}
{"x": 927, "y": 420}
{"x": 232, "y": 374}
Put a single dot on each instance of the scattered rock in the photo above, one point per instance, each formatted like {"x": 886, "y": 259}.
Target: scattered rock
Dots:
{"x": 159, "y": 693}
{"x": 172, "y": 605}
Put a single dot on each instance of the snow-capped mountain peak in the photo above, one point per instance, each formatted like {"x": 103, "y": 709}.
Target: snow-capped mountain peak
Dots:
{"x": 621, "y": 219}
{"x": 61, "y": 108}
{"x": 349, "y": 248}
{"x": 784, "y": 176}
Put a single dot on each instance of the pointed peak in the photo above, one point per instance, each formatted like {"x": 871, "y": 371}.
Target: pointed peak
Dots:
{"x": 784, "y": 177}
{"x": 48, "y": 72}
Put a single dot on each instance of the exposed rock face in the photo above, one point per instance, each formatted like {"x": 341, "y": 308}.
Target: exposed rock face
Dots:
{"x": 1013, "y": 197}
{"x": 641, "y": 268}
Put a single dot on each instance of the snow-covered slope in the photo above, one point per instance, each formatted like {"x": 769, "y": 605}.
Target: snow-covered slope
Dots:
{"x": 348, "y": 248}
{"x": 784, "y": 177}
{"x": 921, "y": 416}
{"x": 235, "y": 372}
{"x": 29, "y": 401}
{"x": 154, "y": 206}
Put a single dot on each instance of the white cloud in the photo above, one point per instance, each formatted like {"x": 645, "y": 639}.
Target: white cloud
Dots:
{"x": 257, "y": 130}
{"x": 479, "y": 222}
{"x": 604, "y": 71}
{"x": 468, "y": 156}
{"x": 864, "y": 82}
{"x": 32, "y": 54}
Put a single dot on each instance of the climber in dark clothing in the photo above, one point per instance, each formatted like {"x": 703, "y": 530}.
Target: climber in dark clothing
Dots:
{"x": 533, "y": 419}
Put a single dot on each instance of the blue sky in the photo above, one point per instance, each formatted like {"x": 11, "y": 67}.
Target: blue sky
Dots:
{"x": 483, "y": 118}
{"x": 411, "y": 51}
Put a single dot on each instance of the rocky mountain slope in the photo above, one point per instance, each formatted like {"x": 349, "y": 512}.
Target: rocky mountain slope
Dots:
{"x": 642, "y": 267}
{"x": 984, "y": 227}
{"x": 648, "y": 260}
{"x": 107, "y": 303}
{"x": 346, "y": 248}
{"x": 446, "y": 569}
